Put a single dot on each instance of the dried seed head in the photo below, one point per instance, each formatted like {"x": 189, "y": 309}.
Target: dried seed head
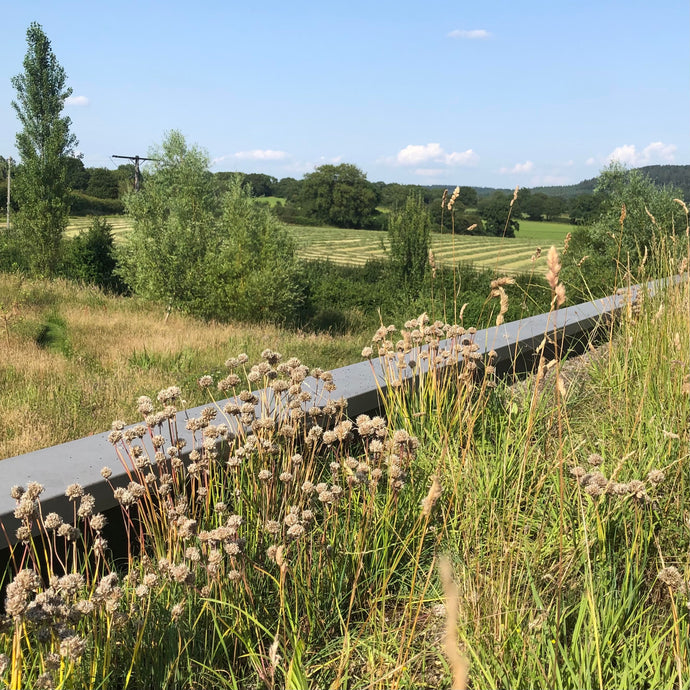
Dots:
{"x": 435, "y": 491}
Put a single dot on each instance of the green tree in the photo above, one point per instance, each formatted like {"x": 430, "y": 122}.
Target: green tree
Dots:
{"x": 259, "y": 278}
{"x": 77, "y": 176}
{"x": 44, "y": 144}
{"x": 584, "y": 209}
{"x": 616, "y": 241}
{"x": 170, "y": 254}
{"x": 103, "y": 183}
{"x": 468, "y": 197}
{"x": 409, "y": 234}
{"x": 261, "y": 184}
{"x": 288, "y": 188}
{"x": 212, "y": 254}
{"x": 533, "y": 204}
{"x": 554, "y": 207}
{"x": 90, "y": 256}
{"x": 500, "y": 215}
{"x": 339, "y": 195}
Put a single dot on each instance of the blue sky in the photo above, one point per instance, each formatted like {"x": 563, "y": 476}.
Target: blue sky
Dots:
{"x": 477, "y": 93}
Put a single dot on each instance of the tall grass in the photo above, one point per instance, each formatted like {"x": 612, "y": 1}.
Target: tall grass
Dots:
{"x": 73, "y": 359}
{"x": 293, "y": 547}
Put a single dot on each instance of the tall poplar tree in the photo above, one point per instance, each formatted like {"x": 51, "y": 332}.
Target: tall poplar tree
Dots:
{"x": 44, "y": 144}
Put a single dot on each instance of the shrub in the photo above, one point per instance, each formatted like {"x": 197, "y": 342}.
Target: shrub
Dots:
{"x": 90, "y": 257}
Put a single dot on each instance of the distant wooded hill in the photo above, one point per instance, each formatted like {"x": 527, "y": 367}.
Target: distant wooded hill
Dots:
{"x": 673, "y": 175}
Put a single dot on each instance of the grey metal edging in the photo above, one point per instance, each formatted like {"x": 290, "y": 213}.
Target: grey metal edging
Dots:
{"x": 81, "y": 461}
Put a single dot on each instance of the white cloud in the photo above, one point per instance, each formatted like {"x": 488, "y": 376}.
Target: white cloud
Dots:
{"x": 416, "y": 154}
{"x": 518, "y": 168}
{"x": 335, "y": 160}
{"x": 468, "y": 157}
{"x": 77, "y": 100}
{"x": 255, "y": 155}
{"x": 656, "y": 152}
{"x": 261, "y": 155}
{"x": 591, "y": 161}
{"x": 471, "y": 33}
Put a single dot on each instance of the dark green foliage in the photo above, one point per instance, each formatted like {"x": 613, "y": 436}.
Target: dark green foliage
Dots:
{"x": 500, "y": 215}
{"x": 83, "y": 205}
{"x": 76, "y": 175}
{"x": 90, "y": 257}
{"x": 351, "y": 298}
{"x": 103, "y": 183}
{"x": 13, "y": 257}
{"x": 339, "y": 195}
{"x": 44, "y": 145}
{"x": 260, "y": 184}
{"x": 457, "y": 221}
{"x": 288, "y": 188}
{"x": 468, "y": 196}
{"x": 293, "y": 213}
{"x": 409, "y": 234}
{"x": 585, "y": 209}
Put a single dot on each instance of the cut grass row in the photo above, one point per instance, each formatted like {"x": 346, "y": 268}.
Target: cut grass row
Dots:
{"x": 356, "y": 247}
{"x": 510, "y": 255}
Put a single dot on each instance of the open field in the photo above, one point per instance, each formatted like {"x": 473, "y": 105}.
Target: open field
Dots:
{"x": 356, "y": 247}
{"x": 72, "y": 359}
{"x": 507, "y": 255}
{"x": 121, "y": 225}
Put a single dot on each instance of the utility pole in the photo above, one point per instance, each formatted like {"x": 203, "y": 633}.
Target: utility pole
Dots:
{"x": 9, "y": 179}
{"x": 137, "y": 172}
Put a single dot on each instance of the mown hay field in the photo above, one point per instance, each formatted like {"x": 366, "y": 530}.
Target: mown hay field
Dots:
{"x": 356, "y": 247}
{"x": 121, "y": 225}
{"x": 507, "y": 255}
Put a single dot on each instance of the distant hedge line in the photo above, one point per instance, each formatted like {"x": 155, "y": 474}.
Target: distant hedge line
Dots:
{"x": 83, "y": 205}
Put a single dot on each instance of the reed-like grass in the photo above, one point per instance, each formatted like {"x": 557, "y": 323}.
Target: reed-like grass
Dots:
{"x": 296, "y": 548}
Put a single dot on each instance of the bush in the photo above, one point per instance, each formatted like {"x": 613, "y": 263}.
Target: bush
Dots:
{"x": 634, "y": 216}
{"x": 90, "y": 257}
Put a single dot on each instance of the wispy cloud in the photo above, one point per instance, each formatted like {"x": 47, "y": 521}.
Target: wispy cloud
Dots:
{"x": 591, "y": 161}
{"x": 472, "y": 34}
{"x": 254, "y": 155}
{"x": 261, "y": 155}
{"x": 656, "y": 152}
{"x": 417, "y": 154}
{"x": 518, "y": 168}
{"x": 77, "y": 100}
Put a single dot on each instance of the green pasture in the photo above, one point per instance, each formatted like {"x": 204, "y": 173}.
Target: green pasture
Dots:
{"x": 548, "y": 233}
{"x": 270, "y": 200}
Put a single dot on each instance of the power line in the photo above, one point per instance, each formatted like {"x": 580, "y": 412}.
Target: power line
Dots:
{"x": 137, "y": 172}
{"x": 9, "y": 180}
